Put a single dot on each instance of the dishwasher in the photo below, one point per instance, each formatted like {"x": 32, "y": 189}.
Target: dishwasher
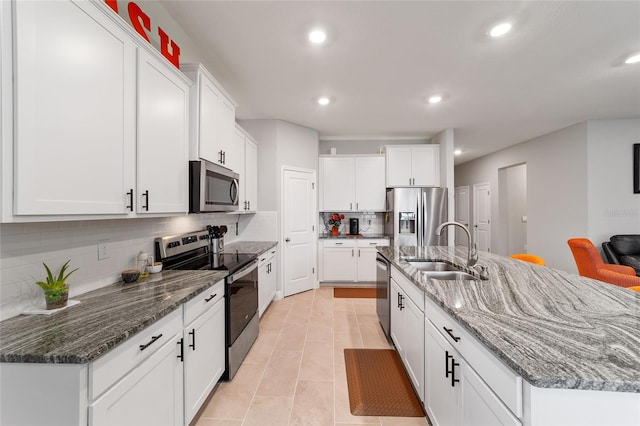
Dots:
{"x": 383, "y": 304}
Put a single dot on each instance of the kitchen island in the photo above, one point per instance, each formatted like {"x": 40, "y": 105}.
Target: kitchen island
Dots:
{"x": 574, "y": 341}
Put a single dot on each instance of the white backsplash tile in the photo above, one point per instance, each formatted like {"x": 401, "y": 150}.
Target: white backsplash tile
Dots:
{"x": 25, "y": 246}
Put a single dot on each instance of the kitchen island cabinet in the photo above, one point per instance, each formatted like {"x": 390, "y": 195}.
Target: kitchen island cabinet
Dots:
{"x": 519, "y": 343}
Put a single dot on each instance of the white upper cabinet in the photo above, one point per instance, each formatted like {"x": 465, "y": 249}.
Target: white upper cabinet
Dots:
{"x": 413, "y": 165}
{"x": 212, "y": 120}
{"x": 163, "y": 137}
{"x": 74, "y": 111}
{"x": 246, "y": 154}
{"x": 352, "y": 183}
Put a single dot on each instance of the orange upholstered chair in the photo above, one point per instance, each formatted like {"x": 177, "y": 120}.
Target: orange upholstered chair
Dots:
{"x": 590, "y": 265}
{"x": 531, "y": 258}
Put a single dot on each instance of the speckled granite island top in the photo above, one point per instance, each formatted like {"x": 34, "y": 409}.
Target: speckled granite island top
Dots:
{"x": 104, "y": 318}
{"x": 249, "y": 247}
{"x": 555, "y": 329}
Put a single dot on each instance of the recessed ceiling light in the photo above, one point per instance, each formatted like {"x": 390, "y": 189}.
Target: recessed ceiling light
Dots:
{"x": 633, "y": 59}
{"x": 457, "y": 152}
{"x": 500, "y": 29}
{"x": 435, "y": 99}
{"x": 317, "y": 36}
{"x": 324, "y": 100}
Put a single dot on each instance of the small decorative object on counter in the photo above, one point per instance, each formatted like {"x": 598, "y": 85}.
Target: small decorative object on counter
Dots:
{"x": 130, "y": 275}
{"x": 155, "y": 267}
{"x": 56, "y": 290}
{"x": 335, "y": 221}
{"x": 143, "y": 263}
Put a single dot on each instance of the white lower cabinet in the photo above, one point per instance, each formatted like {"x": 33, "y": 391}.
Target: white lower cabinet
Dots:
{"x": 456, "y": 393}
{"x": 267, "y": 279}
{"x": 203, "y": 348}
{"x": 150, "y": 394}
{"x": 407, "y": 328}
{"x": 349, "y": 260}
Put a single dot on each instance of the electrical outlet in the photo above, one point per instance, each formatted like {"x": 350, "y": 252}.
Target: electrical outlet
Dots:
{"x": 103, "y": 252}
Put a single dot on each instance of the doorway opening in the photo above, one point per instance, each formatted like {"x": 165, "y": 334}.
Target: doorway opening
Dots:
{"x": 512, "y": 184}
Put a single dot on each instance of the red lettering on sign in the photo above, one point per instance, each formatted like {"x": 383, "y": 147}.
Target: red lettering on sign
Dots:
{"x": 113, "y": 4}
{"x": 174, "y": 55}
{"x": 139, "y": 20}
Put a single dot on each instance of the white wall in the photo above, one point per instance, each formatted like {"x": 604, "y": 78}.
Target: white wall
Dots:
{"x": 447, "y": 179}
{"x": 556, "y": 189}
{"x": 613, "y": 207}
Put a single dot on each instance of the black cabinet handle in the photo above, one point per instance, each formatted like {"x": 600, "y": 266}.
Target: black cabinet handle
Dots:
{"x": 454, "y": 364}
{"x": 446, "y": 363}
{"x": 398, "y": 300}
{"x": 450, "y": 333}
{"x": 181, "y": 354}
{"x": 130, "y": 194}
{"x": 208, "y": 299}
{"x": 192, "y": 333}
{"x": 224, "y": 157}
{"x": 146, "y": 197}
{"x": 220, "y": 154}
{"x": 153, "y": 340}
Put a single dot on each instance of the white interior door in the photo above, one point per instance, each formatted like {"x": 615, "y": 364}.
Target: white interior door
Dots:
{"x": 462, "y": 213}
{"x": 298, "y": 230}
{"x": 482, "y": 216}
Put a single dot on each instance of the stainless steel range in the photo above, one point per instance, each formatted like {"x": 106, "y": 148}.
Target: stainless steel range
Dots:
{"x": 194, "y": 251}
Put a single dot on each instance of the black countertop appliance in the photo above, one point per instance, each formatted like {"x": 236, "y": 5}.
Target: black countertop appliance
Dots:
{"x": 354, "y": 226}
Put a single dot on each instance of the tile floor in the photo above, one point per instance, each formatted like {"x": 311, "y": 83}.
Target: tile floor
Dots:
{"x": 294, "y": 373}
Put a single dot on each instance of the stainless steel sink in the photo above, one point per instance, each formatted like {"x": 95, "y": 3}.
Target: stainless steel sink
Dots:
{"x": 450, "y": 275}
{"x": 432, "y": 266}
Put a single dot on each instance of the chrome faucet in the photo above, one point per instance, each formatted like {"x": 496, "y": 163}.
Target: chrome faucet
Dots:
{"x": 472, "y": 253}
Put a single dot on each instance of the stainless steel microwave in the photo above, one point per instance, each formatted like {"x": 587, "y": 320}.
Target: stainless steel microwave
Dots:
{"x": 212, "y": 188}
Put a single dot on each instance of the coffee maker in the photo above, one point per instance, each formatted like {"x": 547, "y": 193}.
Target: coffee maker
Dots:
{"x": 354, "y": 226}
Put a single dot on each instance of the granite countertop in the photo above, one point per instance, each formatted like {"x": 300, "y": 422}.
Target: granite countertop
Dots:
{"x": 249, "y": 247}
{"x": 104, "y": 318}
{"x": 358, "y": 236}
{"x": 554, "y": 328}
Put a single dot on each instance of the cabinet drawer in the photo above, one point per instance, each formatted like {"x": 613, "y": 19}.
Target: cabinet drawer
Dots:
{"x": 410, "y": 289}
{"x": 267, "y": 256}
{"x": 196, "y": 306}
{"x": 500, "y": 378}
{"x": 108, "y": 369}
{"x": 335, "y": 242}
{"x": 368, "y": 242}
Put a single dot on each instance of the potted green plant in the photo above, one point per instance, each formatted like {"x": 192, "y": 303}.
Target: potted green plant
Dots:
{"x": 56, "y": 290}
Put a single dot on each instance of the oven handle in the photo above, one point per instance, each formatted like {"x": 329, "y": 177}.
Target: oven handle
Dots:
{"x": 242, "y": 272}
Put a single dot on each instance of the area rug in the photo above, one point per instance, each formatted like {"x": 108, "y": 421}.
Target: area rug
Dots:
{"x": 378, "y": 384}
{"x": 354, "y": 292}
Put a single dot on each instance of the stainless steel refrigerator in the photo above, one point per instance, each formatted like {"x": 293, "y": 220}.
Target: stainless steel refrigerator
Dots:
{"x": 413, "y": 214}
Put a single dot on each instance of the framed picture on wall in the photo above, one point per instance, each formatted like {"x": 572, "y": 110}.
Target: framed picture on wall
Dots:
{"x": 636, "y": 168}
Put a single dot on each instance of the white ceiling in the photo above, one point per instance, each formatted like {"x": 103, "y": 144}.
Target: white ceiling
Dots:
{"x": 562, "y": 63}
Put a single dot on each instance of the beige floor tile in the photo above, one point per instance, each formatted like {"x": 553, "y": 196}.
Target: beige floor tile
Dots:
{"x": 403, "y": 421}
{"x": 343, "y": 321}
{"x": 280, "y": 374}
{"x": 313, "y": 404}
{"x": 273, "y": 320}
{"x": 292, "y": 337}
{"x": 263, "y": 347}
{"x": 246, "y": 380}
{"x": 269, "y": 411}
{"x": 342, "y": 408}
{"x": 373, "y": 337}
{"x": 365, "y": 306}
{"x": 317, "y": 362}
{"x": 320, "y": 332}
{"x": 203, "y": 421}
{"x": 226, "y": 404}
{"x": 343, "y": 305}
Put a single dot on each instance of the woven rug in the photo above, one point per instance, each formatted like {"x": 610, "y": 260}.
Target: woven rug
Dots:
{"x": 354, "y": 292}
{"x": 378, "y": 384}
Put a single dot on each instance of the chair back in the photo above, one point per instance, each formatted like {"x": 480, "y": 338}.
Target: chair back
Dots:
{"x": 586, "y": 256}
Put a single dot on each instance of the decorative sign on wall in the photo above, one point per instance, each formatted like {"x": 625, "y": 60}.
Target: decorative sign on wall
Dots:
{"x": 141, "y": 22}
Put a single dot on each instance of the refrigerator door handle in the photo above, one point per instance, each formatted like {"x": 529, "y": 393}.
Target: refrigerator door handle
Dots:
{"x": 419, "y": 224}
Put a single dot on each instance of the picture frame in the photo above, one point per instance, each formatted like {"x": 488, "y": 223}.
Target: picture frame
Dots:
{"x": 636, "y": 168}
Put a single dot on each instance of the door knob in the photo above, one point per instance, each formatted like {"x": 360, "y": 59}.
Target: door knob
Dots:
{"x": 287, "y": 239}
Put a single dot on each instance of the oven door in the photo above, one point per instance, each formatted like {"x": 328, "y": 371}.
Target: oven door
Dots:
{"x": 212, "y": 188}
{"x": 242, "y": 298}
